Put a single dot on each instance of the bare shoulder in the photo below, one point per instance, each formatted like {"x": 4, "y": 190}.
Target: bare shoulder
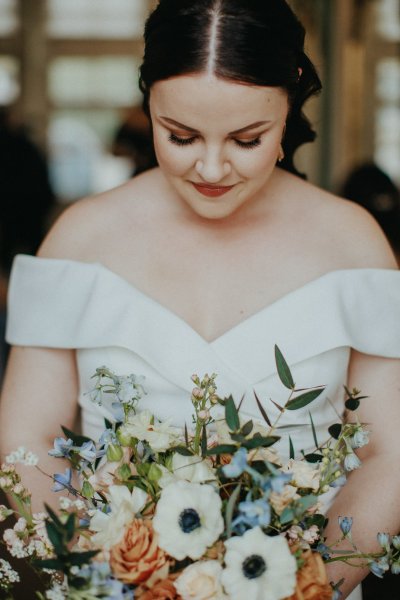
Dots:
{"x": 90, "y": 224}
{"x": 347, "y": 230}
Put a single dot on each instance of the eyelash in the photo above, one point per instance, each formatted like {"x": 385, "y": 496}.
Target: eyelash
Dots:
{"x": 188, "y": 141}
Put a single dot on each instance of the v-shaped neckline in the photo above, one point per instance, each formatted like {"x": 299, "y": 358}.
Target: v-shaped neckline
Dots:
{"x": 235, "y": 328}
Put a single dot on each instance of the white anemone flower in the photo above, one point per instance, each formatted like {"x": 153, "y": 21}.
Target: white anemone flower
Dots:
{"x": 188, "y": 468}
{"x": 188, "y": 519}
{"x": 124, "y": 505}
{"x": 143, "y": 426}
{"x": 259, "y": 567}
{"x": 201, "y": 581}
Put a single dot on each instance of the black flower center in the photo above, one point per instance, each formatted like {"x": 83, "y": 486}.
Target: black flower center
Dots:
{"x": 254, "y": 566}
{"x": 189, "y": 520}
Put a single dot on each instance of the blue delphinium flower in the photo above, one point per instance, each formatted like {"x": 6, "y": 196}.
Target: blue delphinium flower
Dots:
{"x": 384, "y": 541}
{"x": 324, "y": 550}
{"x": 101, "y": 583}
{"x": 252, "y": 513}
{"x": 87, "y": 451}
{"x": 345, "y": 524}
{"x": 351, "y": 462}
{"x": 339, "y": 482}
{"x": 63, "y": 482}
{"x": 379, "y": 567}
{"x": 62, "y": 448}
{"x": 237, "y": 465}
{"x": 359, "y": 439}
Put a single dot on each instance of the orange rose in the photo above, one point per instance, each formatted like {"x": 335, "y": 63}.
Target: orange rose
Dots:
{"x": 312, "y": 579}
{"x": 137, "y": 556}
{"x": 162, "y": 590}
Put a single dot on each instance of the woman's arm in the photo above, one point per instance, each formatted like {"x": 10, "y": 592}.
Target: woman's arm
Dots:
{"x": 371, "y": 494}
{"x": 39, "y": 394}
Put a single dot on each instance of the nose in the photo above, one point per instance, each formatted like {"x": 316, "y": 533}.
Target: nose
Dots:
{"x": 212, "y": 166}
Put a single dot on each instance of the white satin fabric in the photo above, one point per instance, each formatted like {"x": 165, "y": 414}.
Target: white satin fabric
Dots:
{"x": 68, "y": 304}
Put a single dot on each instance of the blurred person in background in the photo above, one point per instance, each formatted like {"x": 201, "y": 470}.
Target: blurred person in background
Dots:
{"x": 26, "y": 202}
{"x": 373, "y": 189}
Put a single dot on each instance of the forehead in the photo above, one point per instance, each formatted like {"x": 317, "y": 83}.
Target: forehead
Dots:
{"x": 202, "y": 96}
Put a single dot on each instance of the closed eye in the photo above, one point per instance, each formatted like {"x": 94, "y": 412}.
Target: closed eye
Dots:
{"x": 250, "y": 144}
{"x": 180, "y": 141}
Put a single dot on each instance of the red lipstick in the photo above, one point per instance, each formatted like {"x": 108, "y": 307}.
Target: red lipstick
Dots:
{"x": 212, "y": 191}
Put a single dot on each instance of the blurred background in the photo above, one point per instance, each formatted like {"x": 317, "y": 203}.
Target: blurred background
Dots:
{"x": 71, "y": 122}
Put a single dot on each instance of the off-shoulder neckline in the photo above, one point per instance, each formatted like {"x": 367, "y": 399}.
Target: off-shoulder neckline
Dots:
{"x": 258, "y": 314}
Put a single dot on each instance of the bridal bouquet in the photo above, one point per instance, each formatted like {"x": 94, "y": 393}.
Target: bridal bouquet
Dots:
{"x": 212, "y": 512}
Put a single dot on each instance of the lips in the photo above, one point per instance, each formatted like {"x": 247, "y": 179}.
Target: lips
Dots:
{"x": 212, "y": 191}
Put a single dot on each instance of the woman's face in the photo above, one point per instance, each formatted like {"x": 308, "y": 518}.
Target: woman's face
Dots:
{"x": 217, "y": 141}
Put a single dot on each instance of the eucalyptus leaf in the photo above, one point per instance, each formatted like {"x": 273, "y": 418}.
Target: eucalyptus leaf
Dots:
{"x": 291, "y": 449}
{"x": 230, "y": 507}
{"x": 78, "y": 440}
{"x": 258, "y": 441}
{"x": 81, "y": 558}
{"x": 278, "y": 406}
{"x": 238, "y": 437}
{"x": 70, "y": 527}
{"x": 352, "y": 404}
{"x": 313, "y": 457}
{"x": 247, "y": 428}
{"x": 204, "y": 441}
{"x": 283, "y": 370}
{"x": 182, "y": 450}
{"x": 287, "y": 516}
{"x": 304, "y": 399}
{"x": 221, "y": 449}
{"x": 231, "y": 414}
{"x": 49, "y": 563}
{"x": 313, "y": 431}
{"x": 335, "y": 430}
{"x": 306, "y": 502}
{"x": 55, "y": 537}
{"x": 262, "y": 410}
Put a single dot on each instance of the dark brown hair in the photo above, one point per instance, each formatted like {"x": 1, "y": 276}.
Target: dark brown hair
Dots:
{"x": 260, "y": 42}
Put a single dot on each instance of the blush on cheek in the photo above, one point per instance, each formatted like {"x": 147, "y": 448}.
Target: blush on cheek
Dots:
{"x": 173, "y": 161}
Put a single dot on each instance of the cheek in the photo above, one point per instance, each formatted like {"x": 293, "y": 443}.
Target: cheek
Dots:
{"x": 256, "y": 163}
{"x": 174, "y": 160}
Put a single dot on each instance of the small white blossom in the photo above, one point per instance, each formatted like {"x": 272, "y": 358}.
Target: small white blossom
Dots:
{"x": 187, "y": 468}
{"x": 21, "y": 455}
{"x": 160, "y": 436}
{"x": 7, "y": 574}
{"x": 124, "y": 505}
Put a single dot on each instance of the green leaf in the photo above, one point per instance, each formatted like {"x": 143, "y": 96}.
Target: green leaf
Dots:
{"x": 182, "y": 450}
{"x": 258, "y": 441}
{"x": 186, "y": 436}
{"x": 352, "y": 404}
{"x": 287, "y": 516}
{"x": 54, "y": 517}
{"x": 55, "y": 537}
{"x": 123, "y": 472}
{"x": 49, "y": 563}
{"x": 231, "y": 415}
{"x": 304, "y": 399}
{"x": 306, "y": 502}
{"x": 70, "y": 527}
{"x": 87, "y": 490}
{"x": 204, "y": 440}
{"x": 81, "y": 558}
{"x": 313, "y": 457}
{"x": 278, "y": 406}
{"x": 230, "y": 507}
{"x": 283, "y": 370}
{"x": 221, "y": 449}
{"x": 76, "y": 438}
{"x": 247, "y": 428}
{"x": 335, "y": 430}
{"x": 262, "y": 410}
{"x": 237, "y": 437}
{"x": 313, "y": 431}
{"x": 291, "y": 449}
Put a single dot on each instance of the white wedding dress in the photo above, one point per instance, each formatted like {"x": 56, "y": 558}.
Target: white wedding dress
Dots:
{"x": 68, "y": 304}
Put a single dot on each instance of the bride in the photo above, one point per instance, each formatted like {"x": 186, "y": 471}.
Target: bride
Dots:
{"x": 205, "y": 262}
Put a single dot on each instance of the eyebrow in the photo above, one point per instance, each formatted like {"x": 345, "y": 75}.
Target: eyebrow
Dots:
{"x": 191, "y": 130}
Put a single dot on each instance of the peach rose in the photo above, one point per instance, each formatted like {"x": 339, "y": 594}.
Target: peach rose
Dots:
{"x": 312, "y": 579}
{"x": 137, "y": 556}
{"x": 162, "y": 590}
